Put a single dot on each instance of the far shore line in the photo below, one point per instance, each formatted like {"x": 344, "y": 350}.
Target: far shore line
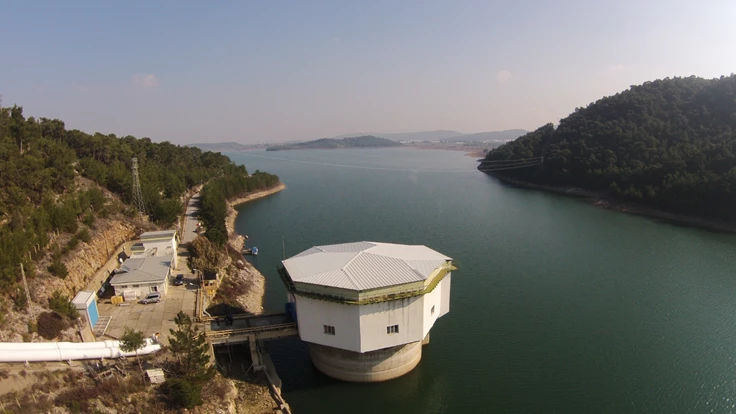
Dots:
{"x": 607, "y": 202}
{"x": 475, "y": 152}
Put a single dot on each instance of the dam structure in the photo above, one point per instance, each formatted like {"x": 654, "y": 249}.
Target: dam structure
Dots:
{"x": 365, "y": 309}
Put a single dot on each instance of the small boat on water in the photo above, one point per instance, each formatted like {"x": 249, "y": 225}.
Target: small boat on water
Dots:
{"x": 251, "y": 250}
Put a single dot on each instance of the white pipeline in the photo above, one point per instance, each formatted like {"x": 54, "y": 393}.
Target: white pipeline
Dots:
{"x": 67, "y": 351}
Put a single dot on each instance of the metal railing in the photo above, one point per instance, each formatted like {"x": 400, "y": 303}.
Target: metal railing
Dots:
{"x": 227, "y": 333}
{"x": 243, "y": 316}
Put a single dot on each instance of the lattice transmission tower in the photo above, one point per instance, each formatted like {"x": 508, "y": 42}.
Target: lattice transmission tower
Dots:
{"x": 137, "y": 193}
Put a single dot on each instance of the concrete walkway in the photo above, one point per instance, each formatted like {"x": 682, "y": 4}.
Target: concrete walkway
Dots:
{"x": 151, "y": 318}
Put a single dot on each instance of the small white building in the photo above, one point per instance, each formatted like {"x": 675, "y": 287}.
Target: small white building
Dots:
{"x": 139, "y": 276}
{"x": 157, "y": 243}
{"x": 86, "y": 304}
{"x": 358, "y": 303}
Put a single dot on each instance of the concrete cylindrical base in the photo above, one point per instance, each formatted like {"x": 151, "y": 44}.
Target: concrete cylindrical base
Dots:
{"x": 374, "y": 366}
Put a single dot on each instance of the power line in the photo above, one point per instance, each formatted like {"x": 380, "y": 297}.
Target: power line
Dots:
{"x": 534, "y": 164}
{"x": 518, "y": 160}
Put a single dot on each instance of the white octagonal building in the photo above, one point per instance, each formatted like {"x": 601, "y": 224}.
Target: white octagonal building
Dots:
{"x": 366, "y": 308}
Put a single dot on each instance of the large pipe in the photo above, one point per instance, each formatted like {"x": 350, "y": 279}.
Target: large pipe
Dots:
{"x": 11, "y": 346}
{"x": 67, "y": 351}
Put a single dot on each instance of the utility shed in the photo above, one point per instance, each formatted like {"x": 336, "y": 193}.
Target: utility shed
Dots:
{"x": 86, "y": 304}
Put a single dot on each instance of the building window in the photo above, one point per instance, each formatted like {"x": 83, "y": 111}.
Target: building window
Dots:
{"x": 329, "y": 330}
{"x": 392, "y": 329}
{"x": 432, "y": 311}
{"x": 136, "y": 285}
{"x": 123, "y": 286}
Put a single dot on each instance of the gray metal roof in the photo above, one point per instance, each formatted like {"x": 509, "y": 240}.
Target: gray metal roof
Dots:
{"x": 364, "y": 265}
{"x": 153, "y": 269}
{"x": 158, "y": 234}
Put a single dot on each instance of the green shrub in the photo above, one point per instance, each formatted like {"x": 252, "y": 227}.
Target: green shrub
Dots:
{"x": 58, "y": 268}
{"x": 83, "y": 235}
{"x": 181, "y": 393}
{"x": 62, "y": 305}
{"x": 50, "y": 324}
{"x": 89, "y": 220}
{"x": 73, "y": 243}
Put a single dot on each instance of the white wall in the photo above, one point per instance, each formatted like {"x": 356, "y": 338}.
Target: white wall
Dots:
{"x": 363, "y": 328}
{"x": 375, "y": 318}
{"x": 142, "y": 289}
{"x": 313, "y": 314}
{"x": 445, "y": 284}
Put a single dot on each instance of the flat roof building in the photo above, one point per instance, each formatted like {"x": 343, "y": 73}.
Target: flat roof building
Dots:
{"x": 139, "y": 276}
{"x": 358, "y": 303}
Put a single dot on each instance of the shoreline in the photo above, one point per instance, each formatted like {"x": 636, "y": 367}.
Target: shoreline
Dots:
{"x": 601, "y": 200}
{"x": 252, "y": 300}
{"x": 232, "y": 203}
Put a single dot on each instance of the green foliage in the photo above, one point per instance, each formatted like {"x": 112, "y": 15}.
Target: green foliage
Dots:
{"x": 131, "y": 340}
{"x": 206, "y": 256}
{"x": 89, "y": 220}
{"x": 83, "y": 235}
{"x": 182, "y": 393}
{"x": 58, "y": 268}
{"x": 668, "y": 143}
{"x": 61, "y": 304}
{"x": 50, "y": 324}
{"x": 213, "y": 198}
{"x": 39, "y": 161}
{"x": 190, "y": 348}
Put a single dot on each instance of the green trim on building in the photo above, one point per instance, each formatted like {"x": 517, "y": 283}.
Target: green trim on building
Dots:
{"x": 289, "y": 284}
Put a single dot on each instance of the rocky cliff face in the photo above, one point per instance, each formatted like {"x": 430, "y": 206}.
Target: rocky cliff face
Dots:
{"x": 84, "y": 261}
{"x": 83, "y": 264}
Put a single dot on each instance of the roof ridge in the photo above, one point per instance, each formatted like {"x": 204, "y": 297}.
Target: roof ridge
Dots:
{"x": 344, "y": 268}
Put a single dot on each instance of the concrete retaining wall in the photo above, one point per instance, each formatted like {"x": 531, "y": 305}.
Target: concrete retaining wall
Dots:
{"x": 374, "y": 366}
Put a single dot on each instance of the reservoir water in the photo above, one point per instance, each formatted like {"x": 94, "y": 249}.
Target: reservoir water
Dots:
{"x": 558, "y": 306}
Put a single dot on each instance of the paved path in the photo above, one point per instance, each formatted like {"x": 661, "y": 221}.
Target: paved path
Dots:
{"x": 190, "y": 220}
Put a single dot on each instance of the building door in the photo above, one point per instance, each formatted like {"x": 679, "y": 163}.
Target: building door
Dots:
{"x": 154, "y": 288}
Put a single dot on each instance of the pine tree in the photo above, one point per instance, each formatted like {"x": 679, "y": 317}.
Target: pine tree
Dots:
{"x": 132, "y": 341}
{"x": 190, "y": 347}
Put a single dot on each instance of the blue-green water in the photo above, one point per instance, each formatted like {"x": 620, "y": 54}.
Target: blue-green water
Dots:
{"x": 558, "y": 306}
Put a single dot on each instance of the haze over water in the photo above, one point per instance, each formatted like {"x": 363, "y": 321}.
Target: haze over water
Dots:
{"x": 557, "y": 306}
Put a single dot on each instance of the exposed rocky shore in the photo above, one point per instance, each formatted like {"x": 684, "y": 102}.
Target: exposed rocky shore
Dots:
{"x": 602, "y": 200}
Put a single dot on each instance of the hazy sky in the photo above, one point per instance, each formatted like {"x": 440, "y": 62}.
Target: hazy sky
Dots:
{"x": 265, "y": 71}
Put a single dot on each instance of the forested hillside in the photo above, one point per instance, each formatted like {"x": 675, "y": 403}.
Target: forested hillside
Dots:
{"x": 366, "y": 141}
{"x": 47, "y": 177}
{"x": 668, "y": 143}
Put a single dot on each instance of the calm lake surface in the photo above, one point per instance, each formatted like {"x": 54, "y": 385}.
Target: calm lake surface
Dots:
{"x": 558, "y": 306}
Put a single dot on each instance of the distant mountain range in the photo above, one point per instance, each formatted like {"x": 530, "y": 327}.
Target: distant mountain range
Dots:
{"x": 507, "y": 135}
{"x": 439, "y": 135}
{"x": 446, "y": 135}
{"x": 365, "y": 141}
{"x": 226, "y": 146}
